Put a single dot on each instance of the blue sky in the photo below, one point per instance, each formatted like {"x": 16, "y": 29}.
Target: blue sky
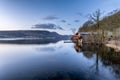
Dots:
{"x": 23, "y": 14}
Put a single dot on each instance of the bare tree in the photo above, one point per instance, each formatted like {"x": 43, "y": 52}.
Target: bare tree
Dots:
{"x": 96, "y": 17}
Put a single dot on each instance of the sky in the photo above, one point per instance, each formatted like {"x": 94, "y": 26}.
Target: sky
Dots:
{"x": 24, "y": 14}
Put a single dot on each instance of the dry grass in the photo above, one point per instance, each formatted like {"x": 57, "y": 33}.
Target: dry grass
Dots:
{"x": 114, "y": 44}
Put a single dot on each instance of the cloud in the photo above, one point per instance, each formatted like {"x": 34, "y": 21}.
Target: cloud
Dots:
{"x": 64, "y": 21}
{"x": 47, "y": 26}
{"x": 76, "y": 21}
{"x": 80, "y": 14}
{"x": 68, "y": 24}
{"x": 50, "y": 18}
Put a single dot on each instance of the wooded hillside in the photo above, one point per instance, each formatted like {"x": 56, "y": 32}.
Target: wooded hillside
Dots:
{"x": 109, "y": 23}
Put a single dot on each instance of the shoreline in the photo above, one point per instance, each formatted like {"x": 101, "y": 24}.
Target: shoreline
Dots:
{"x": 114, "y": 44}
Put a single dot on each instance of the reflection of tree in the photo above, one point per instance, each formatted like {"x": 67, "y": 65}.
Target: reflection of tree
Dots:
{"x": 97, "y": 68}
{"x": 96, "y": 49}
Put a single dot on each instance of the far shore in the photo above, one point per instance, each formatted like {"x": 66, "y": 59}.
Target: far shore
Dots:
{"x": 114, "y": 44}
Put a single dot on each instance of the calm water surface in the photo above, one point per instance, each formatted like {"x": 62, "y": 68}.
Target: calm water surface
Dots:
{"x": 58, "y": 61}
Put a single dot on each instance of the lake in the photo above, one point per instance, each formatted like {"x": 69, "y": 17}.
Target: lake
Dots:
{"x": 58, "y": 61}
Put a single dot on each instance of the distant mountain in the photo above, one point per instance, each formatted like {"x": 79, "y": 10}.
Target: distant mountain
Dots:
{"x": 32, "y": 34}
{"x": 47, "y": 26}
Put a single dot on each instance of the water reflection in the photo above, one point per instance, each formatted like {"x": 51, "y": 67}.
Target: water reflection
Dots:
{"x": 58, "y": 61}
{"x": 78, "y": 47}
{"x": 30, "y": 41}
{"x": 108, "y": 56}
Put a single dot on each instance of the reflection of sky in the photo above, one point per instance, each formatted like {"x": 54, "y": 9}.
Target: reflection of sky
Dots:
{"x": 39, "y": 60}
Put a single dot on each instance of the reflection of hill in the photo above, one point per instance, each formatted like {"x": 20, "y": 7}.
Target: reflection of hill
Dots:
{"x": 88, "y": 54}
{"x": 106, "y": 55}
